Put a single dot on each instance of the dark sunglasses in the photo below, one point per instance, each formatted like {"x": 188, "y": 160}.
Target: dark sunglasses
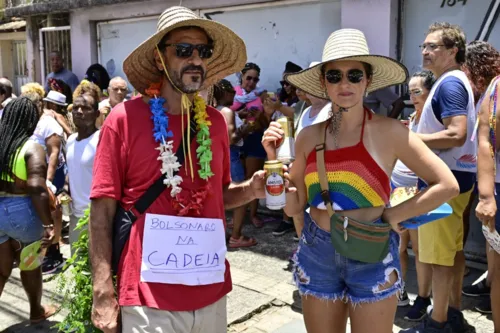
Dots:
{"x": 334, "y": 76}
{"x": 251, "y": 78}
{"x": 185, "y": 50}
{"x": 284, "y": 83}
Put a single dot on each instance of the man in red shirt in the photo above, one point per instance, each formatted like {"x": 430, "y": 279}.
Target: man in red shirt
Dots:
{"x": 172, "y": 276}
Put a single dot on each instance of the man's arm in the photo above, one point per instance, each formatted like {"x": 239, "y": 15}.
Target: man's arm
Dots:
{"x": 236, "y": 195}
{"x": 454, "y": 135}
{"x": 102, "y": 212}
{"x": 450, "y": 106}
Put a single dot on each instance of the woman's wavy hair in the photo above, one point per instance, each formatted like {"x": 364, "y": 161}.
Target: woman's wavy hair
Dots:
{"x": 482, "y": 64}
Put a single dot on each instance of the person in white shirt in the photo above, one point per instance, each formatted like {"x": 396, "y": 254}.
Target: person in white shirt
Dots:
{"x": 117, "y": 91}
{"x": 50, "y": 135}
{"x": 81, "y": 149}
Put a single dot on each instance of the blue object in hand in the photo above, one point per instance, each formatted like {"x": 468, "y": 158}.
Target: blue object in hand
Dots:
{"x": 442, "y": 211}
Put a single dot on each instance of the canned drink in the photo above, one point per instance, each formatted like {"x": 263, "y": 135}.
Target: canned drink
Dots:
{"x": 275, "y": 185}
{"x": 66, "y": 205}
{"x": 285, "y": 148}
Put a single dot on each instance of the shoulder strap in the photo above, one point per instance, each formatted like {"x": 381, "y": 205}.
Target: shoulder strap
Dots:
{"x": 323, "y": 180}
{"x": 157, "y": 188}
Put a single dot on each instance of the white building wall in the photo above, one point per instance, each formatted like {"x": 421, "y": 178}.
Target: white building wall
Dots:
{"x": 82, "y": 21}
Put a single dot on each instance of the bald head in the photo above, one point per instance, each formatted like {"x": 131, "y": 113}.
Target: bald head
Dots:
{"x": 117, "y": 90}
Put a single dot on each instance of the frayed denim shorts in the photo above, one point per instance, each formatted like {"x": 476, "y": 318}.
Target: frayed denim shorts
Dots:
{"x": 19, "y": 220}
{"x": 323, "y": 273}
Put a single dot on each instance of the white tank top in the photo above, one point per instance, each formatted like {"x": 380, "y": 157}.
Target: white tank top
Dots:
{"x": 458, "y": 158}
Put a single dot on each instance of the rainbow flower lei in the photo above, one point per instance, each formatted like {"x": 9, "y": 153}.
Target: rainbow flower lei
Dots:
{"x": 162, "y": 134}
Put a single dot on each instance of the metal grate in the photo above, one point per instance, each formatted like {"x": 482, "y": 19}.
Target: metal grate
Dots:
{"x": 52, "y": 39}
{"x": 21, "y": 75}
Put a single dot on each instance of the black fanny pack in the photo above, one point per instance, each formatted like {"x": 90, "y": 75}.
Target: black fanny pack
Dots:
{"x": 124, "y": 219}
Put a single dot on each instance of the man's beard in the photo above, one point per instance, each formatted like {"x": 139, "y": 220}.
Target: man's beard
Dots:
{"x": 196, "y": 81}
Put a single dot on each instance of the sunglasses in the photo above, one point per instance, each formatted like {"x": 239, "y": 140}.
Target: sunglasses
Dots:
{"x": 251, "y": 78}
{"x": 185, "y": 50}
{"x": 416, "y": 92}
{"x": 284, "y": 83}
{"x": 334, "y": 76}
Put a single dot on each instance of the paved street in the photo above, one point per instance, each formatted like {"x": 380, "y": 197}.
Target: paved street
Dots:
{"x": 263, "y": 299}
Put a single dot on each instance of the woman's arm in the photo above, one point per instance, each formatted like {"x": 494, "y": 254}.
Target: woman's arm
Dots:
{"x": 234, "y": 133}
{"x": 36, "y": 188}
{"x": 442, "y": 185}
{"x": 53, "y": 144}
{"x": 486, "y": 208}
{"x": 61, "y": 120}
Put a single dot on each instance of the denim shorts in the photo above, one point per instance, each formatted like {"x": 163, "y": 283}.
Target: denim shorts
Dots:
{"x": 321, "y": 272}
{"x": 497, "y": 199}
{"x": 19, "y": 221}
{"x": 237, "y": 170}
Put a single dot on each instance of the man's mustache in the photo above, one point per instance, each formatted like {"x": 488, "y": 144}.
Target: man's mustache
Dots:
{"x": 193, "y": 68}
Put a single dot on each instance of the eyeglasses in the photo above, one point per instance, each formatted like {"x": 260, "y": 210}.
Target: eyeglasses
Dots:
{"x": 416, "y": 92}
{"x": 185, "y": 50}
{"x": 284, "y": 83}
{"x": 429, "y": 46}
{"x": 118, "y": 89}
{"x": 334, "y": 76}
{"x": 251, "y": 78}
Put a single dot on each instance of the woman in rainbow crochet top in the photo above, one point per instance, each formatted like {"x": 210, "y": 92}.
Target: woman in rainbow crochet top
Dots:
{"x": 347, "y": 262}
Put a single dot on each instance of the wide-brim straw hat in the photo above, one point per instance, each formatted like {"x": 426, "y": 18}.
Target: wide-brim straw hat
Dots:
{"x": 229, "y": 54}
{"x": 350, "y": 44}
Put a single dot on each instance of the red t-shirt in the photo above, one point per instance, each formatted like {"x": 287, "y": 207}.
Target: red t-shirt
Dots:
{"x": 126, "y": 164}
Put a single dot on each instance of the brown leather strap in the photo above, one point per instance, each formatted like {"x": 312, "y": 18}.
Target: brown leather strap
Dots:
{"x": 323, "y": 180}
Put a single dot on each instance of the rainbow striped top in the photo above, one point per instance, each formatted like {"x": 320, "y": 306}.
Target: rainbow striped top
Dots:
{"x": 355, "y": 179}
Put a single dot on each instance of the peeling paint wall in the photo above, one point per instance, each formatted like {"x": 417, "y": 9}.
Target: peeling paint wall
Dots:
{"x": 275, "y": 35}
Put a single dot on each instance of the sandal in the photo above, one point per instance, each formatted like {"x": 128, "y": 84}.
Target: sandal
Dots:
{"x": 257, "y": 222}
{"x": 50, "y": 310}
{"x": 243, "y": 241}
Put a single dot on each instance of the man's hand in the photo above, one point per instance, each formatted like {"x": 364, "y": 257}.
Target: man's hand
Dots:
{"x": 258, "y": 183}
{"x": 485, "y": 211}
{"x": 105, "y": 311}
{"x": 48, "y": 236}
{"x": 105, "y": 110}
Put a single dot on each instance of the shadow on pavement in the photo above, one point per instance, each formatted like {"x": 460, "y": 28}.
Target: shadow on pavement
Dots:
{"x": 25, "y": 327}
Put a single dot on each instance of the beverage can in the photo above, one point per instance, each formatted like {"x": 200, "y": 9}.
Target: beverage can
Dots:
{"x": 275, "y": 185}
{"x": 285, "y": 148}
{"x": 66, "y": 205}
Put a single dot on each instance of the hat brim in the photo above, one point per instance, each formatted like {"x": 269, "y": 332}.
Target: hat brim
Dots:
{"x": 229, "y": 55}
{"x": 386, "y": 72}
{"x": 55, "y": 102}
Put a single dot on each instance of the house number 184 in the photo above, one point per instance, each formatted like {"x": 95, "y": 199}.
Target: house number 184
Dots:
{"x": 451, "y": 3}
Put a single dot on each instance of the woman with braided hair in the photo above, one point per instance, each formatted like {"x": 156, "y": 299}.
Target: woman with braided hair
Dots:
{"x": 24, "y": 201}
{"x": 223, "y": 93}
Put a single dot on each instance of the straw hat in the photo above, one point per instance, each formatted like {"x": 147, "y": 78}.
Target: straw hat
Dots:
{"x": 56, "y": 98}
{"x": 349, "y": 44}
{"x": 229, "y": 50}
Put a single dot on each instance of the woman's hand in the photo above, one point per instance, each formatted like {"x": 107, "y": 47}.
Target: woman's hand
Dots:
{"x": 272, "y": 135}
{"x": 485, "y": 211}
{"x": 270, "y": 106}
{"x": 396, "y": 226}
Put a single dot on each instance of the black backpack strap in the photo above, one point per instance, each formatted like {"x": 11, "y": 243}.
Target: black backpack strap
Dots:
{"x": 157, "y": 188}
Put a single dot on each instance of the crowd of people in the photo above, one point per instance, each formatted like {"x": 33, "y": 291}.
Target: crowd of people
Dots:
{"x": 189, "y": 159}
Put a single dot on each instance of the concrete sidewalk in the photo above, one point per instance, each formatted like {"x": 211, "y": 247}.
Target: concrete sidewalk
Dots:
{"x": 263, "y": 299}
